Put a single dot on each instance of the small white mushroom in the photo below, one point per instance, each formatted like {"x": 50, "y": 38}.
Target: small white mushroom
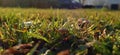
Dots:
{"x": 82, "y": 22}
{"x": 28, "y": 23}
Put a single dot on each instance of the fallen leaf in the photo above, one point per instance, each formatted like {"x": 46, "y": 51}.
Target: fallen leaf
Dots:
{"x": 64, "y": 52}
{"x": 18, "y": 49}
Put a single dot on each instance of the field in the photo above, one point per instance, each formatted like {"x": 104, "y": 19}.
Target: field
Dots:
{"x": 33, "y": 31}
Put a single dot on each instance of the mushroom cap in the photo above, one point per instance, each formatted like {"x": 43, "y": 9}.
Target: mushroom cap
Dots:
{"x": 82, "y": 20}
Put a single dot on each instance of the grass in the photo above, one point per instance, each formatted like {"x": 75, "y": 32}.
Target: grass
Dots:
{"x": 57, "y": 30}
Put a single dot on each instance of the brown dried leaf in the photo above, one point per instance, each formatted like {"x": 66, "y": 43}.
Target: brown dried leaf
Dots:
{"x": 64, "y": 52}
{"x": 22, "y": 48}
{"x": 63, "y": 31}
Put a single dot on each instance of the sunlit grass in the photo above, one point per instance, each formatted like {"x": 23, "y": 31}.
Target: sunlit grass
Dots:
{"x": 20, "y": 25}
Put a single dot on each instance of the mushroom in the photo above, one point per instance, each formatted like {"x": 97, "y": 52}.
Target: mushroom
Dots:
{"x": 82, "y": 22}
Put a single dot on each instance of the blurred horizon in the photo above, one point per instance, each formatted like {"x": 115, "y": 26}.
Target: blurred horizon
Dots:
{"x": 41, "y": 3}
{"x": 69, "y": 4}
